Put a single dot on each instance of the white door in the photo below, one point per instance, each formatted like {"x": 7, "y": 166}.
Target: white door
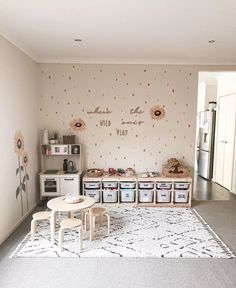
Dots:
{"x": 225, "y": 140}
{"x": 69, "y": 185}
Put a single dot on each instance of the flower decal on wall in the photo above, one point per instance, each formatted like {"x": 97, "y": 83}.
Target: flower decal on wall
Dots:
{"x": 23, "y": 161}
{"x": 77, "y": 125}
{"x": 157, "y": 112}
{"x": 19, "y": 143}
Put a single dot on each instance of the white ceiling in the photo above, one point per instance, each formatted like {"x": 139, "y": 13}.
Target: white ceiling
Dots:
{"x": 122, "y": 31}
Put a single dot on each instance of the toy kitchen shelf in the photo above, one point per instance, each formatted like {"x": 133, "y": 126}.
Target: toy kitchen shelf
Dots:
{"x": 139, "y": 191}
{"x": 54, "y": 181}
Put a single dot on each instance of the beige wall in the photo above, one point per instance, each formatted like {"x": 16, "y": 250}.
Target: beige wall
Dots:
{"x": 69, "y": 91}
{"x": 72, "y": 90}
{"x": 19, "y": 111}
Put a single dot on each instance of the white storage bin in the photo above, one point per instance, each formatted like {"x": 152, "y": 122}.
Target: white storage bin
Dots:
{"x": 181, "y": 196}
{"x": 181, "y": 185}
{"x": 164, "y": 185}
{"x": 127, "y": 195}
{"x": 127, "y": 184}
{"x": 146, "y": 185}
{"x": 110, "y": 184}
{"x": 110, "y": 196}
{"x": 93, "y": 193}
{"x": 163, "y": 196}
{"x": 146, "y": 196}
{"x": 92, "y": 185}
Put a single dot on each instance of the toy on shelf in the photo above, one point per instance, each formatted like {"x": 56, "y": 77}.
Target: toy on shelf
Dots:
{"x": 149, "y": 174}
{"x": 95, "y": 172}
{"x": 173, "y": 168}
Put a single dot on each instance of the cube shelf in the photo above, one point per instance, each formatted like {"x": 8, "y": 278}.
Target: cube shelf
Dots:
{"x": 139, "y": 191}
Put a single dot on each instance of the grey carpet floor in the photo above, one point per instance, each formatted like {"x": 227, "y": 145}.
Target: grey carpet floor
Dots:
{"x": 125, "y": 272}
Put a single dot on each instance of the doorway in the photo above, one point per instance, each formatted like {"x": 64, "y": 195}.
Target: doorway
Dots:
{"x": 215, "y": 158}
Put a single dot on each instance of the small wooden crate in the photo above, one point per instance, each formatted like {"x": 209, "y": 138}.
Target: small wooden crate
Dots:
{"x": 68, "y": 139}
{"x": 169, "y": 171}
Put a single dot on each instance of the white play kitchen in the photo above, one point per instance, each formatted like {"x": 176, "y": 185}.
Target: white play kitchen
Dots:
{"x": 61, "y": 170}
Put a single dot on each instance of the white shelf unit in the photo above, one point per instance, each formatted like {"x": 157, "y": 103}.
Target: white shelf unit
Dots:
{"x": 179, "y": 189}
{"x": 60, "y": 183}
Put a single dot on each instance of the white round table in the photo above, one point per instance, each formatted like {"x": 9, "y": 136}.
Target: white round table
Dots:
{"x": 59, "y": 205}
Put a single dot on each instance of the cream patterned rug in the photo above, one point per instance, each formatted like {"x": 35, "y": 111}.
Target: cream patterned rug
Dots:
{"x": 135, "y": 232}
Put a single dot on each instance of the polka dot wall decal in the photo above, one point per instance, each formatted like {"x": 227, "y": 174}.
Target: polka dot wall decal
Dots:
{"x": 149, "y": 84}
{"x": 165, "y": 71}
{"x": 94, "y": 78}
{"x": 116, "y": 79}
{"x": 51, "y": 97}
{"x": 140, "y": 83}
{"x": 69, "y": 77}
{"x": 186, "y": 105}
{"x": 124, "y": 74}
{"x": 100, "y": 156}
{"x": 68, "y": 103}
{"x": 189, "y": 125}
{"x": 173, "y": 90}
{"x": 190, "y": 74}
{"x": 42, "y": 72}
{"x": 49, "y": 77}
{"x": 144, "y": 70}
{"x": 127, "y": 83}
{"x": 167, "y": 84}
{"x": 110, "y": 134}
{"x": 133, "y": 94}
{"x": 73, "y": 66}
{"x": 64, "y": 90}
{"x": 100, "y": 70}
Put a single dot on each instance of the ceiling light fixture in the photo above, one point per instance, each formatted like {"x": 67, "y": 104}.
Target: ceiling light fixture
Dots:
{"x": 211, "y": 41}
{"x": 77, "y": 40}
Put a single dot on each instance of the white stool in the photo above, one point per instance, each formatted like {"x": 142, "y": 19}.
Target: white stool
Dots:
{"x": 95, "y": 213}
{"x": 71, "y": 223}
{"x": 38, "y": 216}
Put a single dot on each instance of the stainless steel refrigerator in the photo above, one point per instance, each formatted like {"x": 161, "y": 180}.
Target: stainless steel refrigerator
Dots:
{"x": 205, "y": 143}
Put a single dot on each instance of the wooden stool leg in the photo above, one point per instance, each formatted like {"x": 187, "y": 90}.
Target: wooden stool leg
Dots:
{"x": 108, "y": 223}
{"x": 101, "y": 220}
{"x": 61, "y": 238}
{"x": 80, "y": 238}
{"x": 85, "y": 221}
{"x": 33, "y": 228}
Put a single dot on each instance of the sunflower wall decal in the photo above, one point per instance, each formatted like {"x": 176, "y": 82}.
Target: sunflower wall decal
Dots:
{"x": 157, "y": 112}
{"x": 77, "y": 125}
{"x": 23, "y": 160}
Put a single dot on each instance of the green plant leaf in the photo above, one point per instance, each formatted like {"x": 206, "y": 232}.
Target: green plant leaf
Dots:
{"x": 17, "y": 171}
{"x": 24, "y": 178}
{"x": 27, "y": 176}
{"x": 17, "y": 191}
{"x": 22, "y": 168}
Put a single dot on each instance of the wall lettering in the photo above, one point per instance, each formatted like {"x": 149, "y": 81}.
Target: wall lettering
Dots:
{"x": 98, "y": 110}
{"x": 132, "y": 122}
{"x": 105, "y": 123}
{"x": 136, "y": 110}
{"x": 121, "y": 132}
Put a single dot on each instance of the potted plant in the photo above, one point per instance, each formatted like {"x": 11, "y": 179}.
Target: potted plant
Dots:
{"x": 53, "y": 137}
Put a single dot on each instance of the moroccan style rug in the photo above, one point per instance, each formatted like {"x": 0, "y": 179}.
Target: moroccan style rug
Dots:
{"x": 135, "y": 232}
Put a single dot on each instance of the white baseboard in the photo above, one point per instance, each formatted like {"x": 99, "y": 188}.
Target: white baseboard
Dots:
{"x": 17, "y": 224}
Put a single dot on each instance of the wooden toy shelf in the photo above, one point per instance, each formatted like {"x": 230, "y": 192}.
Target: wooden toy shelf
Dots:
{"x": 139, "y": 191}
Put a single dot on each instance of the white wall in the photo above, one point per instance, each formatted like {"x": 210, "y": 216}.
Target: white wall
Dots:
{"x": 19, "y": 111}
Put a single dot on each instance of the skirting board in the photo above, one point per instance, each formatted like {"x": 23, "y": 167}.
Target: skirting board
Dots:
{"x": 2, "y": 240}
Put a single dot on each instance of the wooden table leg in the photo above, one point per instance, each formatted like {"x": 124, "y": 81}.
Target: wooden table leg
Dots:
{"x": 91, "y": 224}
{"x": 53, "y": 225}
